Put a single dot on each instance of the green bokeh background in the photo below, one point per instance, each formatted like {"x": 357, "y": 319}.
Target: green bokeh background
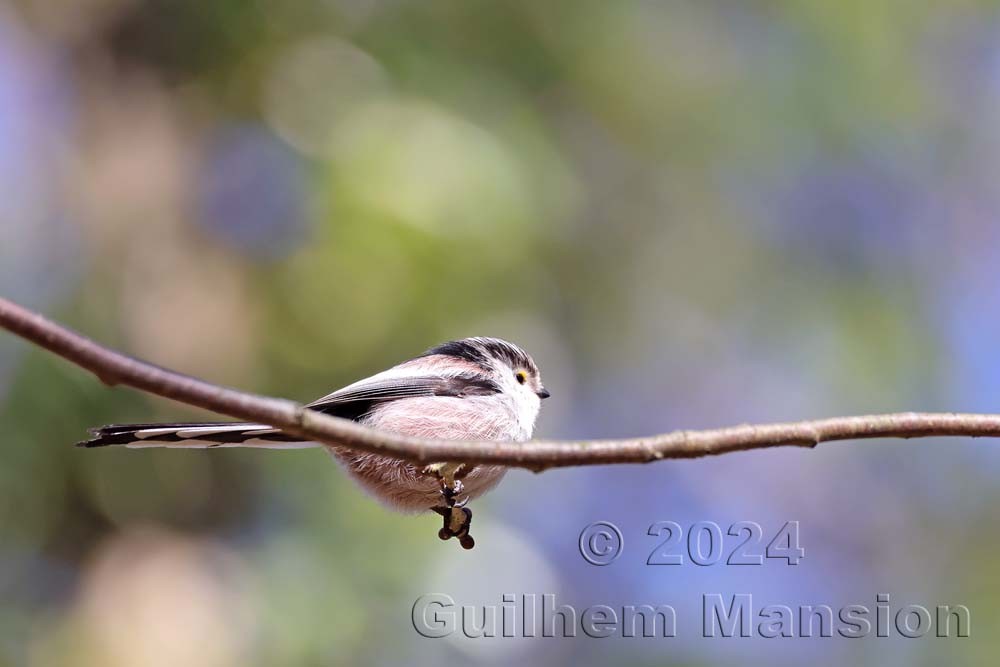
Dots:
{"x": 692, "y": 214}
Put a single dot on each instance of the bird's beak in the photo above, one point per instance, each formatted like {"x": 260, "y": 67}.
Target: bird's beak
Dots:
{"x": 543, "y": 393}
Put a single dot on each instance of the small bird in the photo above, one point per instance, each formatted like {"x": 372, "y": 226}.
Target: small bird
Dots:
{"x": 470, "y": 389}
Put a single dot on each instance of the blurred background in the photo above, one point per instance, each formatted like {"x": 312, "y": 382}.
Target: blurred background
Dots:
{"x": 693, "y": 214}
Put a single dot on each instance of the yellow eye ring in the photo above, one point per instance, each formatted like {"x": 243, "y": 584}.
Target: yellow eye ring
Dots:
{"x": 521, "y": 377}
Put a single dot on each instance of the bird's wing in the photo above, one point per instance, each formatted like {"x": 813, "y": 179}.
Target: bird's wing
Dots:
{"x": 353, "y": 401}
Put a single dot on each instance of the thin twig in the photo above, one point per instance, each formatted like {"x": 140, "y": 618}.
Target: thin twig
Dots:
{"x": 116, "y": 368}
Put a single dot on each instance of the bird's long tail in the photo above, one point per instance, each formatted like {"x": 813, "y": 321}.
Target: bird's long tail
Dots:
{"x": 194, "y": 436}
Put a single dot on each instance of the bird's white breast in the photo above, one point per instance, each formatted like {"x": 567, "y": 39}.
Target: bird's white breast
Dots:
{"x": 403, "y": 485}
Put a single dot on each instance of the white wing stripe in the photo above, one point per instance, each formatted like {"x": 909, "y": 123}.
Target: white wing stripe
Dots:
{"x": 196, "y": 433}
{"x": 208, "y": 444}
{"x": 152, "y": 432}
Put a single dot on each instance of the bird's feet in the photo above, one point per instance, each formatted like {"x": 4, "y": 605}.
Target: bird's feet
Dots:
{"x": 457, "y": 518}
{"x": 449, "y": 474}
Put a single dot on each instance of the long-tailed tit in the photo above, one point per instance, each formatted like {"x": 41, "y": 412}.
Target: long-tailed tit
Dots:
{"x": 470, "y": 389}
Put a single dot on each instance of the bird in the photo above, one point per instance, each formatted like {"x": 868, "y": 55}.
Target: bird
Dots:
{"x": 477, "y": 388}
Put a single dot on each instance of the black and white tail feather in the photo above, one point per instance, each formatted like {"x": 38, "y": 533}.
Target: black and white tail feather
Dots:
{"x": 195, "y": 435}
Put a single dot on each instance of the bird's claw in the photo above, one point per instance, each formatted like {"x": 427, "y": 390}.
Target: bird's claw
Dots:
{"x": 452, "y": 492}
{"x": 448, "y": 475}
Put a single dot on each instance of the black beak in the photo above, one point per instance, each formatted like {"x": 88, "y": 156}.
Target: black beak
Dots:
{"x": 543, "y": 393}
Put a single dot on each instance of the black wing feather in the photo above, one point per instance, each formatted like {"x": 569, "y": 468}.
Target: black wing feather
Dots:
{"x": 354, "y": 403}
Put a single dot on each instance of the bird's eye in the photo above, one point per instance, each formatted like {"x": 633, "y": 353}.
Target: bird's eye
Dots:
{"x": 521, "y": 377}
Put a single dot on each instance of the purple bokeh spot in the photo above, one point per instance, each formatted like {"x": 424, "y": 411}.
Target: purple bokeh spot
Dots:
{"x": 850, "y": 213}
{"x": 252, "y": 192}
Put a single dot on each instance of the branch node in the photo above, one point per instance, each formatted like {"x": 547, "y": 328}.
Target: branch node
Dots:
{"x": 652, "y": 452}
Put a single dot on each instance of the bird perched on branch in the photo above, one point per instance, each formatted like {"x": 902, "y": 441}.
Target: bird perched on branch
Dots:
{"x": 469, "y": 389}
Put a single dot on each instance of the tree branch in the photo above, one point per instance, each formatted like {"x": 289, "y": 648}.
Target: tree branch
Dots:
{"x": 116, "y": 368}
